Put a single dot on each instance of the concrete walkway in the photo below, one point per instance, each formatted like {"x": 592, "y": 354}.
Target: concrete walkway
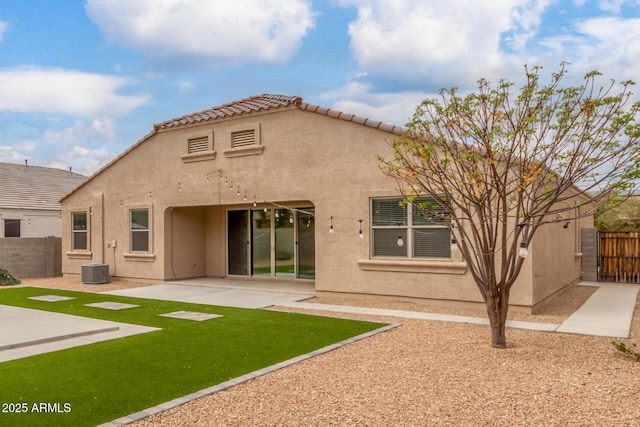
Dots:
{"x": 607, "y": 313}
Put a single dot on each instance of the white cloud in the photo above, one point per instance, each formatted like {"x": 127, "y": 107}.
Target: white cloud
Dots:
{"x": 213, "y": 30}
{"x": 609, "y": 44}
{"x": 414, "y": 47}
{"x": 82, "y": 160}
{"x": 184, "y": 86}
{"x": 38, "y": 89}
{"x": 4, "y": 28}
{"x": 392, "y": 108}
{"x": 456, "y": 40}
{"x": 102, "y": 128}
{"x": 18, "y": 152}
{"x": 611, "y": 5}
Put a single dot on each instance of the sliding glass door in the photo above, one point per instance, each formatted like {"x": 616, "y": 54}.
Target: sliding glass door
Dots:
{"x": 261, "y": 243}
{"x": 284, "y": 243}
{"x": 306, "y": 254}
{"x": 272, "y": 243}
{"x": 238, "y": 242}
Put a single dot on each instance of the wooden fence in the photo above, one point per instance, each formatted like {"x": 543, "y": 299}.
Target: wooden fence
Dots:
{"x": 619, "y": 257}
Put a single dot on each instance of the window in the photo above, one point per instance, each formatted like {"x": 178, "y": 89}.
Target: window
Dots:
{"x": 11, "y": 228}
{"x": 139, "y": 225}
{"x": 419, "y": 229}
{"x": 79, "y": 231}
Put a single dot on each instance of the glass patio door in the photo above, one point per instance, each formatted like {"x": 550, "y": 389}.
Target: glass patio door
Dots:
{"x": 271, "y": 243}
{"x": 238, "y": 242}
{"x": 285, "y": 265}
{"x": 261, "y": 243}
{"x": 306, "y": 245}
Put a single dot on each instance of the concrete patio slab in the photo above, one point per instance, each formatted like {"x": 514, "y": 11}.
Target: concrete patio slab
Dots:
{"x": 191, "y": 315}
{"x": 51, "y": 298}
{"x": 27, "y": 332}
{"x": 227, "y": 297}
{"x": 110, "y": 305}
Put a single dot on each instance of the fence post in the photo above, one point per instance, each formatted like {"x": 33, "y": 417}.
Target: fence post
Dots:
{"x": 589, "y": 268}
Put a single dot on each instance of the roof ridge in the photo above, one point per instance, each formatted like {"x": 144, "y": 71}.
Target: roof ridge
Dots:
{"x": 398, "y": 130}
{"x": 267, "y": 101}
{"x": 244, "y": 105}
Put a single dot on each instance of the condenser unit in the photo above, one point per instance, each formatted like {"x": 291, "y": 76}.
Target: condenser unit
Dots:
{"x": 93, "y": 274}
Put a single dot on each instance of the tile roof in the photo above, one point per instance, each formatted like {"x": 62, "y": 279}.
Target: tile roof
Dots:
{"x": 248, "y": 105}
{"x": 34, "y": 187}
{"x": 269, "y": 101}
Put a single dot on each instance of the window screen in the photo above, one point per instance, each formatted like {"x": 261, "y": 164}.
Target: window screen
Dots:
{"x": 417, "y": 229}
{"x": 140, "y": 230}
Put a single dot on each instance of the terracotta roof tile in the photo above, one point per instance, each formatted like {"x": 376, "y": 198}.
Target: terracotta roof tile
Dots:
{"x": 269, "y": 101}
{"x": 247, "y": 105}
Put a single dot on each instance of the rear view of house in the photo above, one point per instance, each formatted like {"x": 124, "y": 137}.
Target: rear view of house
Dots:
{"x": 273, "y": 188}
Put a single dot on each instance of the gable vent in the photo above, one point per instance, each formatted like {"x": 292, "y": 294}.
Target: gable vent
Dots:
{"x": 198, "y": 145}
{"x": 243, "y": 138}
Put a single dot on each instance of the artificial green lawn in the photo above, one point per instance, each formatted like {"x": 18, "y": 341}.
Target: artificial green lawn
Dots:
{"x": 108, "y": 380}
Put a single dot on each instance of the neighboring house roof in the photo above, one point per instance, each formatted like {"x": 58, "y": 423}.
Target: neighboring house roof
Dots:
{"x": 252, "y": 104}
{"x": 34, "y": 187}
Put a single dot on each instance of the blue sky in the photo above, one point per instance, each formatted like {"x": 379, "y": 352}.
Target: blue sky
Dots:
{"x": 81, "y": 81}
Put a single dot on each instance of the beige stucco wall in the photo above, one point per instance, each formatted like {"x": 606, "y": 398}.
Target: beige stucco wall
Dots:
{"x": 556, "y": 256}
{"x": 308, "y": 159}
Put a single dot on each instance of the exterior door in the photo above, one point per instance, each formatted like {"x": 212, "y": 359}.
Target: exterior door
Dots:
{"x": 261, "y": 263}
{"x": 271, "y": 243}
{"x": 285, "y": 253}
{"x": 238, "y": 242}
{"x": 306, "y": 244}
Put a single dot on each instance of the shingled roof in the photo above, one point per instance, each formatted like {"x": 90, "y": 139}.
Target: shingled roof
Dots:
{"x": 34, "y": 187}
{"x": 266, "y": 102}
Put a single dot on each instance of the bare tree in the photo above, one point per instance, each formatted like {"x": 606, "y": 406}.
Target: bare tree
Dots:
{"x": 503, "y": 164}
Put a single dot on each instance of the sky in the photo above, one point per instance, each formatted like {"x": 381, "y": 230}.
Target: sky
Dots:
{"x": 81, "y": 81}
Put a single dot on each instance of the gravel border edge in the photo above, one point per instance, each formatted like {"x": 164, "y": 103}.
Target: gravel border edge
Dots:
{"x": 145, "y": 413}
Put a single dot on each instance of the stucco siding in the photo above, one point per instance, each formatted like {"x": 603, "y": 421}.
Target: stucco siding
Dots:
{"x": 307, "y": 160}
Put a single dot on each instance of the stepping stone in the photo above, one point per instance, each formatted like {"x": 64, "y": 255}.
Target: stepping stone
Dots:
{"x": 51, "y": 298}
{"x": 191, "y": 315}
{"x": 108, "y": 305}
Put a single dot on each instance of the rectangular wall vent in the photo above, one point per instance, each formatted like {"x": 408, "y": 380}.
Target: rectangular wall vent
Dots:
{"x": 243, "y": 138}
{"x": 198, "y": 145}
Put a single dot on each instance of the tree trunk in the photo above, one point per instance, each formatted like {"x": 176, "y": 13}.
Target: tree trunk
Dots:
{"x": 497, "y": 308}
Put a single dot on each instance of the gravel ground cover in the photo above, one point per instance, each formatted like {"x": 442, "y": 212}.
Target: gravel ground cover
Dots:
{"x": 438, "y": 374}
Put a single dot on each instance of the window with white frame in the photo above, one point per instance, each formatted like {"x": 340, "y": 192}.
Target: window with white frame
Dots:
{"x": 79, "y": 231}
{"x": 139, "y": 230}
{"x": 417, "y": 229}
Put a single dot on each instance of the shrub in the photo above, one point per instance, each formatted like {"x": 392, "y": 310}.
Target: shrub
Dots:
{"x": 630, "y": 351}
{"x": 7, "y": 279}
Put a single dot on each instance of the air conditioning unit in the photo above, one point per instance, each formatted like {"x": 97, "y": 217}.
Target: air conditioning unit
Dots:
{"x": 93, "y": 274}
